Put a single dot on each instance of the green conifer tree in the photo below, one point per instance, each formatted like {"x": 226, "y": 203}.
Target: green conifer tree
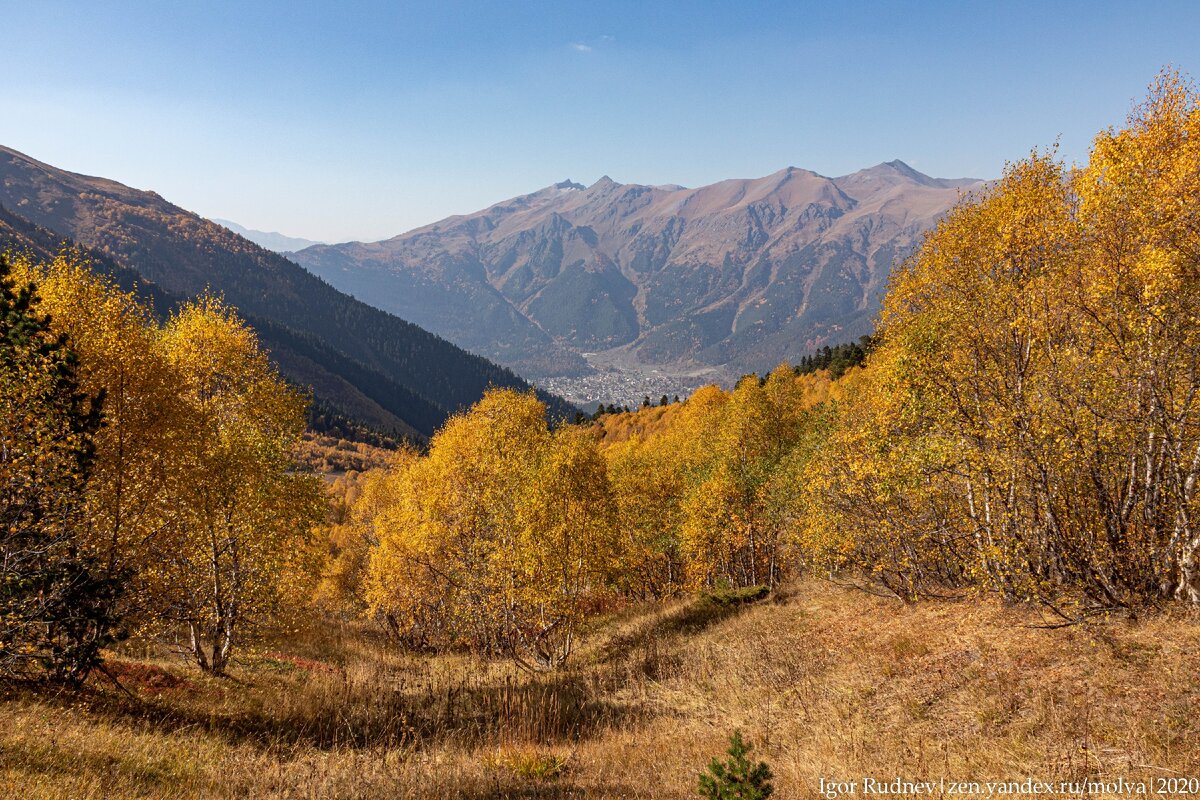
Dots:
{"x": 736, "y": 778}
{"x": 56, "y": 604}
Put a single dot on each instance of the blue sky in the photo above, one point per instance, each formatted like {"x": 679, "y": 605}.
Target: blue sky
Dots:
{"x": 347, "y": 120}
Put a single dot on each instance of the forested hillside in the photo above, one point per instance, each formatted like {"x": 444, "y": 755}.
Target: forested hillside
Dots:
{"x": 367, "y": 363}
{"x": 354, "y": 413}
{"x": 20, "y": 236}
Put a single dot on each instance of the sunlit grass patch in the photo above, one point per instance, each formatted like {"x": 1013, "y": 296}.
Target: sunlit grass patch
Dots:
{"x": 528, "y": 763}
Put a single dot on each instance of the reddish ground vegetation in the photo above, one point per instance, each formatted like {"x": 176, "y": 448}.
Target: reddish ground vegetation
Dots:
{"x": 146, "y": 678}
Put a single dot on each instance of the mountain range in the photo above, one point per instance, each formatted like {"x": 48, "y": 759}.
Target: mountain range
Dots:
{"x": 595, "y": 292}
{"x": 359, "y": 361}
{"x": 735, "y": 276}
{"x": 269, "y": 240}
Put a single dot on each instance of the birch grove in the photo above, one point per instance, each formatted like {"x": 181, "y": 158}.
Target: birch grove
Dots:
{"x": 1038, "y": 370}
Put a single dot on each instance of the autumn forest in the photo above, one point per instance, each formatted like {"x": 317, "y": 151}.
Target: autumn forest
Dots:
{"x": 1018, "y": 444}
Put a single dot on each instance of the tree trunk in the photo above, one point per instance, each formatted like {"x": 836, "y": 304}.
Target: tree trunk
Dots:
{"x": 197, "y": 646}
{"x": 1188, "y": 590}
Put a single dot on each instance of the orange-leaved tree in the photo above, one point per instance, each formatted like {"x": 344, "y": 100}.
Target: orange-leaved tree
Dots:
{"x": 245, "y": 552}
{"x": 498, "y": 539}
{"x": 1030, "y": 422}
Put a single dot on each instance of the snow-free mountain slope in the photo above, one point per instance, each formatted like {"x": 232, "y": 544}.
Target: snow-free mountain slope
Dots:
{"x": 269, "y": 240}
{"x": 740, "y": 274}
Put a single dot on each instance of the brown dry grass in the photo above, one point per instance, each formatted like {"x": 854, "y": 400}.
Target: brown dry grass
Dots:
{"x": 825, "y": 682}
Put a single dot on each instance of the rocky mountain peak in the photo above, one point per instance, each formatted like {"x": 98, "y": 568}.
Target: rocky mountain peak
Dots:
{"x": 604, "y": 182}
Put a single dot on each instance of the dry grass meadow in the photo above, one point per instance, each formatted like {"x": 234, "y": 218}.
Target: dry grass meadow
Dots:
{"x": 826, "y": 682}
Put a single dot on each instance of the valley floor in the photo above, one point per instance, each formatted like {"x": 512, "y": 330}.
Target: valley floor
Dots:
{"x": 619, "y": 378}
{"x": 826, "y": 682}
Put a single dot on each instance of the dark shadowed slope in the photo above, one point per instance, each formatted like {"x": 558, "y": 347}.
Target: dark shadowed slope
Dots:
{"x": 291, "y": 351}
{"x": 359, "y": 359}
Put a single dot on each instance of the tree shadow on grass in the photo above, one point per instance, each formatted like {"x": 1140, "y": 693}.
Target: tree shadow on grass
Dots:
{"x": 148, "y": 774}
{"x": 650, "y": 643}
{"x": 329, "y": 712}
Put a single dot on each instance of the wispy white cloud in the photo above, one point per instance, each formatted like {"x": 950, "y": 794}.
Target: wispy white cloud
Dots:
{"x": 594, "y": 43}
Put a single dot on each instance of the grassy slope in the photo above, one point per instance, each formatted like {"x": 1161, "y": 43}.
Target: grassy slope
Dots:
{"x": 825, "y": 681}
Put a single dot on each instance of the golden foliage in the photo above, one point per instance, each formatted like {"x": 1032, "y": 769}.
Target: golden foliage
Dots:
{"x": 193, "y": 495}
{"x": 507, "y": 534}
{"x": 138, "y": 470}
{"x": 334, "y": 457}
{"x": 1029, "y": 423}
{"x": 497, "y": 539}
{"x": 246, "y": 549}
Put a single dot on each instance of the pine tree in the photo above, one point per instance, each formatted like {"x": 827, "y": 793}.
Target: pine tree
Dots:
{"x": 56, "y": 603}
{"x": 736, "y": 778}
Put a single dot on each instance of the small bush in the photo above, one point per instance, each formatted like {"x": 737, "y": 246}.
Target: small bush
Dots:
{"x": 737, "y": 597}
{"x": 530, "y": 764}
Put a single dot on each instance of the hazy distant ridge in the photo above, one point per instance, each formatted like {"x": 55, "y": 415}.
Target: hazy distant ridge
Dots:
{"x": 270, "y": 240}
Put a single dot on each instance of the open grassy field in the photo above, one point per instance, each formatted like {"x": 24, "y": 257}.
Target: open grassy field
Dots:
{"x": 826, "y": 682}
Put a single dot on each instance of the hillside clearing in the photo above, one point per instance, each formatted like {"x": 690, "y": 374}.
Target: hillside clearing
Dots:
{"x": 826, "y": 682}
